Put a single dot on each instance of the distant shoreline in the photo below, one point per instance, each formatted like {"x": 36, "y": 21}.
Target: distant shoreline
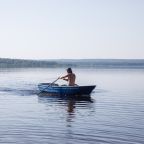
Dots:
{"x": 76, "y": 63}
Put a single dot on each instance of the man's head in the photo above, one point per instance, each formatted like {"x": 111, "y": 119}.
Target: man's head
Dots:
{"x": 69, "y": 70}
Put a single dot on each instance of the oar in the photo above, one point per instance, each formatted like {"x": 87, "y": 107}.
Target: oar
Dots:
{"x": 54, "y": 81}
{"x": 49, "y": 84}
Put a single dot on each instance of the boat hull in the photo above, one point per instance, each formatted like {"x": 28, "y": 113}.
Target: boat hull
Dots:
{"x": 66, "y": 90}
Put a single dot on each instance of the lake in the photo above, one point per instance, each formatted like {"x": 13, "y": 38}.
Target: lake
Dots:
{"x": 114, "y": 114}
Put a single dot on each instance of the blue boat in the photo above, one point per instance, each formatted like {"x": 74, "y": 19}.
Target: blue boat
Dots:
{"x": 65, "y": 90}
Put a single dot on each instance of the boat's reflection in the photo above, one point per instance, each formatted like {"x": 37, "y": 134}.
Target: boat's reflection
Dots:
{"x": 86, "y": 98}
{"x": 70, "y": 102}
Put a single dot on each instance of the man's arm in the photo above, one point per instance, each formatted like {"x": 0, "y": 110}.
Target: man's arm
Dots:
{"x": 64, "y": 77}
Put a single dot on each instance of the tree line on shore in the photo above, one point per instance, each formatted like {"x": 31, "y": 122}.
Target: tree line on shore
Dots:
{"x": 81, "y": 63}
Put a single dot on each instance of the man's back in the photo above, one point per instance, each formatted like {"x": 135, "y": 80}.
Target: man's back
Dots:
{"x": 71, "y": 79}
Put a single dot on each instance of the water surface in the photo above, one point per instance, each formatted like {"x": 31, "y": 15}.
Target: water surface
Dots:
{"x": 114, "y": 114}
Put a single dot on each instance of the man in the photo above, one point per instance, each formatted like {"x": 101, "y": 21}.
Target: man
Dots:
{"x": 70, "y": 77}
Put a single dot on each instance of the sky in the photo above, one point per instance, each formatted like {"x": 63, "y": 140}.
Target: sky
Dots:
{"x": 72, "y": 29}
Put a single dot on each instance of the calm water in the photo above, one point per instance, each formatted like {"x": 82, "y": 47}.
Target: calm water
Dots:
{"x": 114, "y": 114}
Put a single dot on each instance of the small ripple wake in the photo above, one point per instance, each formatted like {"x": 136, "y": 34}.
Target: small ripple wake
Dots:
{"x": 22, "y": 92}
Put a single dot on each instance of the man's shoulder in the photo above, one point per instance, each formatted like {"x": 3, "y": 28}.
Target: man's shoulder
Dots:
{"x": 71, "y": 74}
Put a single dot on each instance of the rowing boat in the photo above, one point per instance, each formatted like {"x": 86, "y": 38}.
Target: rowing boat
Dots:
{"x": 65, "y": 90}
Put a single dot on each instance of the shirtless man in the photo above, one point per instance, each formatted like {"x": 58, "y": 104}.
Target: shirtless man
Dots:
{"x": 70, "y": 77}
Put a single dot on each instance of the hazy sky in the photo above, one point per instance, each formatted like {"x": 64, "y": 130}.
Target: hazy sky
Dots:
{"x": 45, "y": 29}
